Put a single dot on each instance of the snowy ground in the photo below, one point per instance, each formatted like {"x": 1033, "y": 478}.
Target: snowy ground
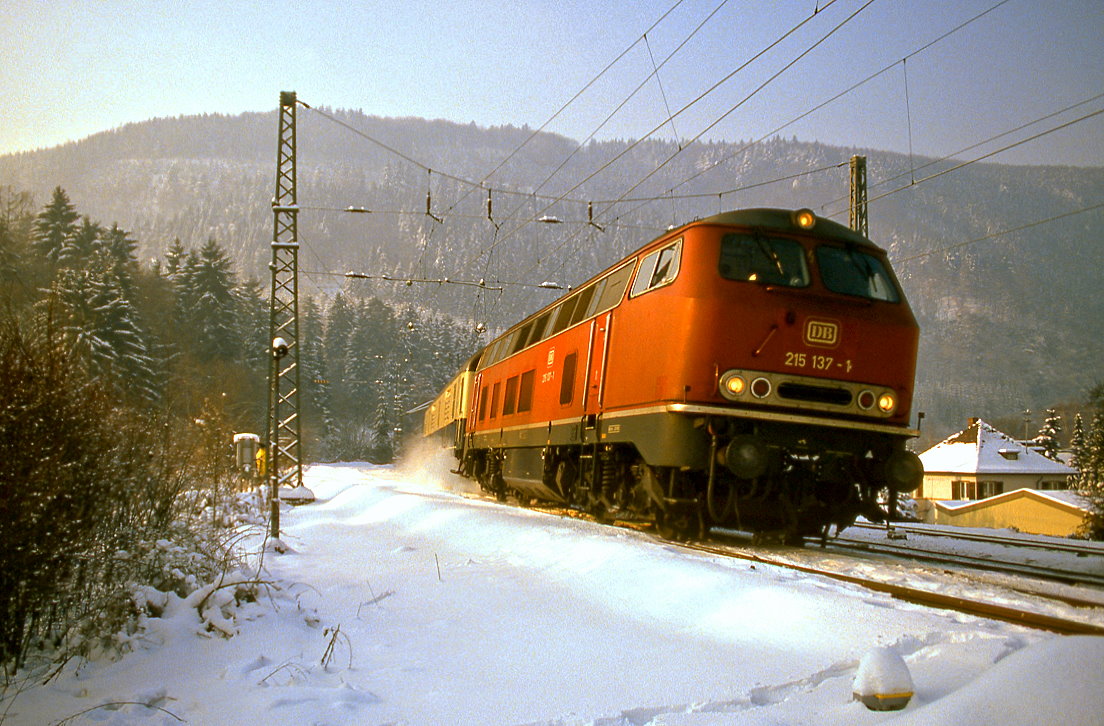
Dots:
{"x": 406, "y": 603}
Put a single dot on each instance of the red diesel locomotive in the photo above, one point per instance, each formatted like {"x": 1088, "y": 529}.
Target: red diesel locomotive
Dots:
{"x": 753, "y": 370}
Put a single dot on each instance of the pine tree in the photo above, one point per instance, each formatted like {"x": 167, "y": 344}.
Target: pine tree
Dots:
{"x": 102, "y": 326}
{"x": 316, "y": 410}
{"x": 16, "y": 220}
{"x": 122, "y": 251}
{"x": 251, "y": 325}
{"x": 175, "y": 257}
{"x": 55, "y": 224}
{"x": 205, "y": 286}
{"x": 1077, "y": 448}
{"x": 1092, "y": 477}
{"x": 1049, "y": 433}
{"x": 78, "y": 247}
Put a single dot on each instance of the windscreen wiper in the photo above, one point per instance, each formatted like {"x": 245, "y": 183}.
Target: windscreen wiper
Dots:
{"x": 769, "y": 253}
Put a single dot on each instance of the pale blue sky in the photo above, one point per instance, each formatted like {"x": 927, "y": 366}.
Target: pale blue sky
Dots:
{"x": 70, "y": 68}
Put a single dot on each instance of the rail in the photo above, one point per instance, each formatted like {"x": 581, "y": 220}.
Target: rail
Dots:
{"x": 920, "y": 596}
{"x": 1080, "y": 549}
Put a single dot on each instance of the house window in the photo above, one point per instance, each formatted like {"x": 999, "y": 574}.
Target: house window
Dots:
{"x": 974, "y": 490}
{"x": 990, "y": 489}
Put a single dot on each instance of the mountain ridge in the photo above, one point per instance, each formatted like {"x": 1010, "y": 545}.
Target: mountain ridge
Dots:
{"x": 1008, "y": 323}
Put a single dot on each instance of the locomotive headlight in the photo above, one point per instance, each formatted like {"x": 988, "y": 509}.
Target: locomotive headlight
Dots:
{"x": 887, "y": 402}
{"x": 733, "y": 385}
{"x": 804, "y": 218}
{"x": 866, "y": 400}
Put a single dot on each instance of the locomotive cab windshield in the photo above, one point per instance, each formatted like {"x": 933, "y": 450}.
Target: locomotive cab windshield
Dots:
{"x": 766, "y": 260}
{"x": 782, "y": 262}
{"x": 850, "y": 271}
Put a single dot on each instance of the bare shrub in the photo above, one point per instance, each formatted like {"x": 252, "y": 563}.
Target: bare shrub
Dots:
{"x": 102, "y": 505}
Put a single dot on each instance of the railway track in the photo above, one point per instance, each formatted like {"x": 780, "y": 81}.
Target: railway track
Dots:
{"x": 918, "y": 595}
{"x": 1081, "y": 549}
{"x": 906, "y": 593}
{"x": 919, "y": 554}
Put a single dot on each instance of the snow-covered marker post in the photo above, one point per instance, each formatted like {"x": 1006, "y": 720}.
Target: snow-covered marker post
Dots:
{"x": 883, "y": 681}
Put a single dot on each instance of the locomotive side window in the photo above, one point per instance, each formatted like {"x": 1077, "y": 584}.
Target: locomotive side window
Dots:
{"x": 520, "y": 338}
{"x": 657, "y": 269}
{"x": 849, "y": 271}
{"x": 766, "y": 260}
{"x": 494, "y": 400}
{"x": 525, "y": 391}
{"x": 582, "y": 304}
{"x": 495, "y": 353}
{"x": 563, "y": 314}
{"x": 567, "y": 378}
{"x": 615, "y": 288}
{"x": 488, "y": 355}
{"x": 539, "y": 329}
{"x": 509, "y": 405}
{"x": 483, "y": 403}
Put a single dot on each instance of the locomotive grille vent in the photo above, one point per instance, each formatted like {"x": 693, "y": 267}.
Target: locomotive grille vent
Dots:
{"x": 815, "y": 394}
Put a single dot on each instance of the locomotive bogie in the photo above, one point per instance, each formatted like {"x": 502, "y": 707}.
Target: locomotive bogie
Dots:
{"x": 754, "y": 368}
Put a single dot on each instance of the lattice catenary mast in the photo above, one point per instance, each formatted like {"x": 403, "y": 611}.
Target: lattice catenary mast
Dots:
{"x": 858, "y": 195}
{"x": 285, "y": 461}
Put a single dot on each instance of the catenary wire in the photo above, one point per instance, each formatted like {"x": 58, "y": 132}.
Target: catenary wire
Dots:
{"x": 980, "y": 158}
{"x": 834, "y": 98}
{"x": 570, "y": 101}
{"x": 994, "y": 235}
{"x": 971, "y": 147}
{"x": 759, "y": 88}
{"x": 630, "y": 147}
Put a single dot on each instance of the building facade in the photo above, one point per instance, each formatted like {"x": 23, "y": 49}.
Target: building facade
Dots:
{"x": 980, "y": 464}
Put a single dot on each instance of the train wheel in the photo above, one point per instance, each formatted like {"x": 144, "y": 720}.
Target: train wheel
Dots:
{"x": 665, "y": 526}
{"x": 597, "y": 508}
{"x": 679, "y": 525}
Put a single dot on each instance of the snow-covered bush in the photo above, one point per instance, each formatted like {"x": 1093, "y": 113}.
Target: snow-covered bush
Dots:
{"x": 107, "y": 511}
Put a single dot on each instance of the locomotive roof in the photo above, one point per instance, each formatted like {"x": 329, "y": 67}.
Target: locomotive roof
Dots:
{"x": 783, "y": 221}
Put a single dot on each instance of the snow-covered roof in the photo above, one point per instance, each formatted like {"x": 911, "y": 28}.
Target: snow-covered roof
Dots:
{"x": 981, "y": 449}
{"x": 1065, "y": 498}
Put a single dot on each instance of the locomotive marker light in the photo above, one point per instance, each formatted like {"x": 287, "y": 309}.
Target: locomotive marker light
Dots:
{"x": 732, "y": 385}
{"x": 804, "y": 218}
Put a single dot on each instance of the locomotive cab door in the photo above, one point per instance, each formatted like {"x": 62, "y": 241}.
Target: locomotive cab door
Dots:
{"x": 596, "y": 363}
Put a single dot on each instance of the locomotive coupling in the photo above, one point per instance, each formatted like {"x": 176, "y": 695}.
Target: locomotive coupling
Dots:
{"x": 746, "y": 457}
{"x": 904, "y": 471}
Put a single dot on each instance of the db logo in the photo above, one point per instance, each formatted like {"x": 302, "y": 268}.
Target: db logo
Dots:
{"x": 821, "y": 333}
